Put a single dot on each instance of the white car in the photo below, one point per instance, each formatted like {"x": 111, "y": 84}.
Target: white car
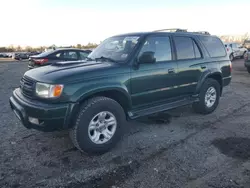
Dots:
{"x": 235, "y": 50}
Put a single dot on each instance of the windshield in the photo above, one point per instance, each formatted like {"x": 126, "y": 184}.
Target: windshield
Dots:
{"x": 115, "y": 48}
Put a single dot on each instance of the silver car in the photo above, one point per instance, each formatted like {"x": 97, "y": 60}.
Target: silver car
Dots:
{"x": 235, "y": 50}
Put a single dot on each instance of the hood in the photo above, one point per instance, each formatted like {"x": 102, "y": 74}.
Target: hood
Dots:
{"x": 64, "y": 72}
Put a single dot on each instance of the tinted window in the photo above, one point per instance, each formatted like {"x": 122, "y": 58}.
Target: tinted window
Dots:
{"x": 185, "y": 48}
{"x": 71, "y": 55}
{"x": 57, "y": 55}
{"x": 160, "y": 46}
{"x": 213, "y": 45}
{"x": 45, "y": 53}
{"x": 83, "y": 55}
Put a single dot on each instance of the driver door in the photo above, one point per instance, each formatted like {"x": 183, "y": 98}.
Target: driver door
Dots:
{"x": 154, "y": 82}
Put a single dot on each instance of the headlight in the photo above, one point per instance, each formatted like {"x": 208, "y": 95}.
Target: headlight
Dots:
{"x": 48, "y": 91}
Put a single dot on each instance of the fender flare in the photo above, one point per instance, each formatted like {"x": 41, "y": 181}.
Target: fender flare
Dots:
{"x": 115, "y": 88}
{"x": 209, "y": 74}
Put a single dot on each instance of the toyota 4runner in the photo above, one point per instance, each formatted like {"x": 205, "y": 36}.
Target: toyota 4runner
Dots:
{"x": 125, "y": 77}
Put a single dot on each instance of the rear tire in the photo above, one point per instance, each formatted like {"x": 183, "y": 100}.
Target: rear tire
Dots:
{"x": 88, "y": 132}
{"x": 208, "y": 102}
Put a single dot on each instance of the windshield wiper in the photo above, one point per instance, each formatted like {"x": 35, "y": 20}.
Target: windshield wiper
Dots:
{"x": 105, "y": 58}
{"x": 89, "y": 59}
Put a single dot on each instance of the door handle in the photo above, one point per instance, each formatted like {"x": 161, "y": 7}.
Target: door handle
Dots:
{"x": 171, "y": 70}
{"x": 203, "y": 66}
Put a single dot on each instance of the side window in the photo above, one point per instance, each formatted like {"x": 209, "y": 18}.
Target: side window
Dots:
{"x": 71, "y": 55}
{"x": 213, "y": 45}
{"x": 239, "y": 45}
{"x": 57, "y": 55}
{"x": 186, "y": 48}
{"x": 83, "y": 55}
{"x": 160, "y": 46}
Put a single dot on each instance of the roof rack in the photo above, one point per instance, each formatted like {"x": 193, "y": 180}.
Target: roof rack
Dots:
{"x": 182, "y": 30}
{"x": 172, "y": 30}
{"x": 202, "y": 32}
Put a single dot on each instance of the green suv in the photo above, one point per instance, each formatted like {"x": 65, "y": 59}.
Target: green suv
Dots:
{"x": 125, "y": 77}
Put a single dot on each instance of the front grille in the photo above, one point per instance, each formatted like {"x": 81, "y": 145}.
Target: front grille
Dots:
{"x": 27, "y": 87}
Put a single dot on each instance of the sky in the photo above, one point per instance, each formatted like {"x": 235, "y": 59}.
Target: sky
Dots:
{"x": 71, "y": 22}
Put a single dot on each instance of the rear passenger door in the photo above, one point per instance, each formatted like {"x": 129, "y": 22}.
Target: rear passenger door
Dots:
{"x": 190, "y": 64}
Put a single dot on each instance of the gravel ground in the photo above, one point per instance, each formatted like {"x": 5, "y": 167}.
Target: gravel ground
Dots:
{"x": 177, "y": 149}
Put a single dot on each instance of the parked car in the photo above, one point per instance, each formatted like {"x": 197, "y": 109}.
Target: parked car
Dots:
{"x": 247, "y": 62}
{"x": 20, "y": 56}
{"x": 235, "y": 50}
{"x": 9, "y": 55}
{"x": 125, "y": 77}
{"x": 247, "y": 44}
{"x": 3, "y": 55}
{"x": 53, "y": 56}
{"x": 33, "y": 53}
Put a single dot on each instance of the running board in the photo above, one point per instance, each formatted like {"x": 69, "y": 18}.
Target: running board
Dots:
{"x": 160, "y": 108}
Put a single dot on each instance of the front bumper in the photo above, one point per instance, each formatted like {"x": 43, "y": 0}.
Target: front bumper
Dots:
{"x": 51, "y": 116}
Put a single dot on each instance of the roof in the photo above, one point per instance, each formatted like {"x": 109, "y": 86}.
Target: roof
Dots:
{"x": 57, "y": 49}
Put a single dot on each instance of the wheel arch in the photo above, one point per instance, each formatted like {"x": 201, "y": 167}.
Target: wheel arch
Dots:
{"x": 120, "y": 95}
{"x": 214, "y": 75}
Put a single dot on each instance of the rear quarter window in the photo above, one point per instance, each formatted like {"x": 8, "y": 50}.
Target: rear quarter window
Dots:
{"x": 213, "y": 45}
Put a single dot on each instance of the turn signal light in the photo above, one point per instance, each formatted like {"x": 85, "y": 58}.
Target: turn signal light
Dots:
{"x": 57, "y": 90}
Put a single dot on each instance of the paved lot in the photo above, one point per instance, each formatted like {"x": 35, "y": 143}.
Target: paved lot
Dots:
{"x": 183, "y": 150}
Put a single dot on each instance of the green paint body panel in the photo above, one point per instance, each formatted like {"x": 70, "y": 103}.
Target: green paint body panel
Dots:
{"x": 138, "y": 86}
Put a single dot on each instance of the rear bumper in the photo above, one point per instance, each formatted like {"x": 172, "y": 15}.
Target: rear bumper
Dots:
{"x": 51, "y": 117}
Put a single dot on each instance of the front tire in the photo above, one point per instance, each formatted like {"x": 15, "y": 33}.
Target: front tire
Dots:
{"x": 208, "y": 98}
{"x": 98, "y": 126}
{"x": 231, "y": 57}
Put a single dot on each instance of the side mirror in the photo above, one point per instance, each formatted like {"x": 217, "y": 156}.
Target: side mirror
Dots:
{"x": 147, "y": 57}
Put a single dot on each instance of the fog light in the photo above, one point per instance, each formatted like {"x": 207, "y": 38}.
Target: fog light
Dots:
{"x": 33, "y": 120}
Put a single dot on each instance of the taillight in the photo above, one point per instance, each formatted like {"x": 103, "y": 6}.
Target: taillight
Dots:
{"x": 40, "y": 61}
